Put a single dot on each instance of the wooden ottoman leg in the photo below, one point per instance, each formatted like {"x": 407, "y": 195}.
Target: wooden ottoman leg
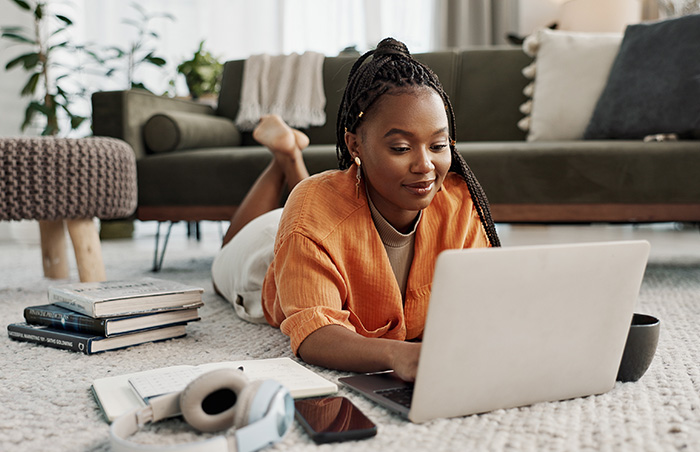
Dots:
{"x": 53, "y": 249}
{"x": 88, "y": 251}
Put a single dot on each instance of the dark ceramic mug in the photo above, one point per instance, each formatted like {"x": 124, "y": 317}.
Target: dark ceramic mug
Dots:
{"x": 640, "y": 347}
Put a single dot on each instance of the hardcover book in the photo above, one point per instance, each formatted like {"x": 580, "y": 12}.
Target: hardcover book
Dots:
{"x": 88, "y": 343}
{"x": 122, "y": 393}
{"x": 58, "y": 317}
{"x": 114, "y": 298}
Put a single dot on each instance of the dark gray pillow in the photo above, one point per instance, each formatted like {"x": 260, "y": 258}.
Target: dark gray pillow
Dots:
{"x": 164, "y": 132}
{"x": 654, "y": 83}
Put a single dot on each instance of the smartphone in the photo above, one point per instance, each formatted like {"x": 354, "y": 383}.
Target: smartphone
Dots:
{"x": 331, "y": 419}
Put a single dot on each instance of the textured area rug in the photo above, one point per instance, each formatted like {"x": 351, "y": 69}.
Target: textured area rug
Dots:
{"x": 47, "y": 403}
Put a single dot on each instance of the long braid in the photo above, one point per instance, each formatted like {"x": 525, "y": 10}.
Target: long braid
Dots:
{"x": 392, "y": 68}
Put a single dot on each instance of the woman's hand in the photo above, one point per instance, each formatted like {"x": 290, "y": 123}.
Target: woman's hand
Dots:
{"x": 337, "y": 347}
{"x": 405, "y": 360}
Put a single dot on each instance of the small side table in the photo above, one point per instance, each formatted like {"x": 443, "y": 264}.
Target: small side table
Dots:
{"x": 66, "y": 183}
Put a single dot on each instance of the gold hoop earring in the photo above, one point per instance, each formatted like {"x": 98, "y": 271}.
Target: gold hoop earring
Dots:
{"x": 358, "y": 176}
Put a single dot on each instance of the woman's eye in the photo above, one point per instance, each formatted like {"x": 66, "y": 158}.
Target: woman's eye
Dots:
{"x": 400, "y": 148}
{"x": 438, "y": 147}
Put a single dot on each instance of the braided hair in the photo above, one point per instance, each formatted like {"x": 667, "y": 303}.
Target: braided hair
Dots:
{"x": 392, "y": 69}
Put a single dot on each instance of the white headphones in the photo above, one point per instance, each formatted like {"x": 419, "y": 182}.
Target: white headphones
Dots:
{"x": 261, "y": 411}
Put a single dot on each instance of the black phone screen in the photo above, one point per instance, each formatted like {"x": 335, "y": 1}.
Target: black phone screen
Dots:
{"x": 329, "y": 419}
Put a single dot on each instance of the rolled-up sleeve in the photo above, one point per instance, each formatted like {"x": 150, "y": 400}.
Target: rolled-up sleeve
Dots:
{"x": 304, "y": 290}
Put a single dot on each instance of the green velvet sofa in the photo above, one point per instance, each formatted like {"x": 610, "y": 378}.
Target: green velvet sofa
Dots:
{"x": 564, "y": 181}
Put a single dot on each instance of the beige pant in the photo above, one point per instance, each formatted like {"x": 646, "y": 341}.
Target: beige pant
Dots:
{"x": 239, "y": 268}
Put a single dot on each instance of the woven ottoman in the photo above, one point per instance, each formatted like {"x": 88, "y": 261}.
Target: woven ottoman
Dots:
{"x": 66, "y": 183}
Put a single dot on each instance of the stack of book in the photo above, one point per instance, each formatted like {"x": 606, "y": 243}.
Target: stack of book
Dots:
{"x": 100, "y": 316}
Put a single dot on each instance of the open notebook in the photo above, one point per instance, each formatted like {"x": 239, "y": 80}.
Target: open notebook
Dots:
{"x": 122, "y": 393}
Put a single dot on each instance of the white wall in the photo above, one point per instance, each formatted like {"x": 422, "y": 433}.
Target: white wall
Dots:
{"x": 12, "y": 105}
{"x": 535, "y": 14}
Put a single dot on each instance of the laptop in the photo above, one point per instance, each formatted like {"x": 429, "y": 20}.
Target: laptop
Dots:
{"x": 513, "y": 326}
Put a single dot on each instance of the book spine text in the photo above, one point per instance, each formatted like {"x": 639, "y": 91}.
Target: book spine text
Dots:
{"x": 49, "y": 338}
{"x": 66, "y": 321}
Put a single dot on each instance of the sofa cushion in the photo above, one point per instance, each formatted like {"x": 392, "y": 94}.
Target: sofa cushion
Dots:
{"x": 654, "y": 83}
{"x": 488, "y": 93}
{"x": 586, "y": 172}
{"x": 570, "y": 72}
{"x": 165, "y": 132}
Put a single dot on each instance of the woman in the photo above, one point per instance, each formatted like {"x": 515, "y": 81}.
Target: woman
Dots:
{"x": 349, "y": 280}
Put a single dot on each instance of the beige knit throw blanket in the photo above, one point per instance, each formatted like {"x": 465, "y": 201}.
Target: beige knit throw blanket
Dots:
{"x": 288, "y": 85}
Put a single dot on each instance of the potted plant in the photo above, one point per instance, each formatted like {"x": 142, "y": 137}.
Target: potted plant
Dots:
{"x": 139, "y": 52}
{"x": 55, "y": 86}
{"x": 202, "y": 73}
{"x": 51, "y": 87}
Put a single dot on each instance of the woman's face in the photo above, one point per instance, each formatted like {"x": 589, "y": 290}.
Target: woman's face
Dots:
{"x": 403, "y": 144}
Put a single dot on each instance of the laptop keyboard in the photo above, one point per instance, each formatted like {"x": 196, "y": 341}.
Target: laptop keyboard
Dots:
{"x": 402, "y": 396}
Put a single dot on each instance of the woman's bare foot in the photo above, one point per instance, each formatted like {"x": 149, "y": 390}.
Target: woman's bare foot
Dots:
{"x": 287, "y": 167}
{"x": 286, "y": 145}
{"x": 302, "y": 139}
{"x": 277, "y": 136}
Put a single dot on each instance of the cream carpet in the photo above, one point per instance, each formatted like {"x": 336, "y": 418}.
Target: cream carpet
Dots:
{"x": 47, "y": 404}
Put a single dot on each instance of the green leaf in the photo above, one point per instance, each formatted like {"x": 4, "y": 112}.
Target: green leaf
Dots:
{"x": 76, "y": 121}
{"x": 63, "y": 18}
{"x": 119, "y": 53}
{"x": 137, "y": 7}
{"x": 18, "y": 37}
{"x": 58, "y": 30}
{"x": 28, "y": 60}
{"x": 133, "y": 23}
{"x": 162, "y": 16}
{"x": 12, "y": 29}
{"x": 41, "y": 108}
{"x": 155, "y": 60}
{"x": 32, "y": 109}
{"x": 22, "y": 4}
{"x": 30, "y": 87}
{"x": 56, "y": 46}
{"x": 95, "y": 56}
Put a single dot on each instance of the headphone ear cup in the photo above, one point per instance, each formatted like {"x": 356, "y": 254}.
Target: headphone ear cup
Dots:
{"x": 245, "y": 401}
{"x": 211, "y": 401}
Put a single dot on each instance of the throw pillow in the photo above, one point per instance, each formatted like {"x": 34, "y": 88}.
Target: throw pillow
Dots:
{"x": 654, "y": 84}
{"x": 165, "y": 132}
{"x": 570, "y": 72}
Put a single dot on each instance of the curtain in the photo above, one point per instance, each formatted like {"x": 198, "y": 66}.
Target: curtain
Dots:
{"x": 463, "y": 23}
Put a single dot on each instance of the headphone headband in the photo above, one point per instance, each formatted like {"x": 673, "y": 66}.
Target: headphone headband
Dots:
{"x": 264, "y": 412}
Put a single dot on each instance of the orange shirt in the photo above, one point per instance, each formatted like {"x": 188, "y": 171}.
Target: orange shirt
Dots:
{"x": 330, "y": 266}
